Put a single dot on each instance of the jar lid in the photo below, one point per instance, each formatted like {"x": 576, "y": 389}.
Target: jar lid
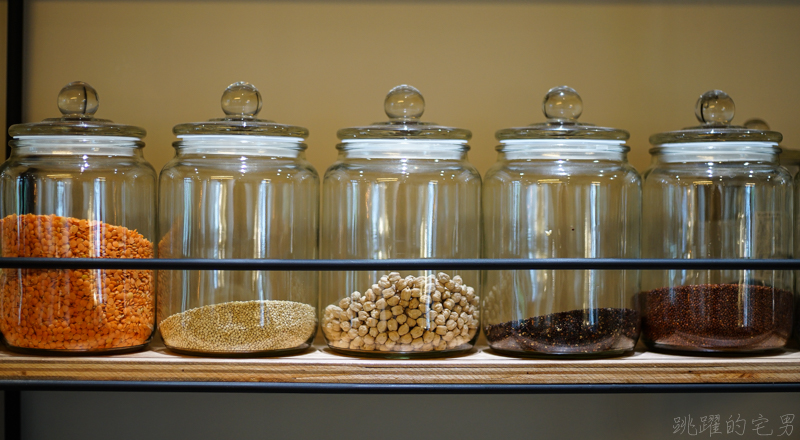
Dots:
{"x": 788, "y": 155}
{"x": 78, "y": 102}
{"x": 715, "y": 110}
{"x": 562, "y": 106}
{"x": 241, "y": 102}
{"x": 404, "y": 106}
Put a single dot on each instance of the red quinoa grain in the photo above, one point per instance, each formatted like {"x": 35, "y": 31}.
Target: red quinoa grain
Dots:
{"x": 717, "y": 317}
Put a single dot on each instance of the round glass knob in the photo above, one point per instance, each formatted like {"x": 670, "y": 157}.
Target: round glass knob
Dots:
{"x": 562, "y": 103}
{"x": 78, "y": 99}
{"x": 757, "y": 124}
{"x": 241, "y": 99}
{"x": 404, "y": 102}
{"x": 715, "y": 107}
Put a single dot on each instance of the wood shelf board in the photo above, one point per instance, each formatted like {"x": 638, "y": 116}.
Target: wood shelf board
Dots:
{"x": 482, "y": 366}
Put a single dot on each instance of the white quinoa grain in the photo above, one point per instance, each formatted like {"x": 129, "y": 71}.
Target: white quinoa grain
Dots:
{"x": 243, "y": 326}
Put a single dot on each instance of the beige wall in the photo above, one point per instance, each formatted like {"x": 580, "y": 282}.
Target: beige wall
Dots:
{"x": 3, "y": 48}
{"x": 481, "y": 65}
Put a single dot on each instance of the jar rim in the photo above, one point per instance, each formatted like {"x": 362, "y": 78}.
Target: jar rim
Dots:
{"x": 414, "y": 149}
{"x": 742, "y": 146}
{"x": 72, "y": 137}
{"x": 717, "y": 152}
{"x": 59, "y": 141}
{"x": 238, "y": 145}
{"x": 402, "y": 145}
{"x": 240, "y": 138}
{"x": 589, "y": 145}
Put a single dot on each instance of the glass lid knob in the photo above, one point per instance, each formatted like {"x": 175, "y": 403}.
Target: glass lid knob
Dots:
{"x": 562, "y": 103}
{"x": 404, "y": 102}
{"x": 757, "y": 124}
{"x": 241, "y": 99}
{"x": 78, "y": 99}
{"x": 715, "y": 107}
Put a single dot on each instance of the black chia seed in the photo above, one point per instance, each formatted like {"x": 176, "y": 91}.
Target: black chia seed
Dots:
{"x": 717, "y": 317}
{"x": 586, "y": 331}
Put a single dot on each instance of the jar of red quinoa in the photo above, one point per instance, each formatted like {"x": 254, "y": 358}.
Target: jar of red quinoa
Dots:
{"x": 238, "y": 187}
{"x": 401, "y": 189}
{"x": 717, "y": 191}
{"x": 77, "y": 187}
{"x": 561, "y": 189}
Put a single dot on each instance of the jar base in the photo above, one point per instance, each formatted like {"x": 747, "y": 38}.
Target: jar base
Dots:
{"x": 404, "y": 354}
{"x": 67, "y": 353}
{"x": 543, "y": 355}
{"x": 241, "y": 354}
{"x": 712, "y": 352}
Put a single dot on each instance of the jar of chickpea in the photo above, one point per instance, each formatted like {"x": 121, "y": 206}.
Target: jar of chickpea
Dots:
{"x": 77, "y": 187}
{"x": 401, "y": 189}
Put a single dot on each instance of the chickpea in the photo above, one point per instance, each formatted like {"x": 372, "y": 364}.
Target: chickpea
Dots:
{"x": 434, "y": 312}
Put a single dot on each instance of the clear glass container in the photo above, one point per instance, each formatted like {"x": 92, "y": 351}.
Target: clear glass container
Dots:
{"x": 238, "y": 187}
{"x": 77, "y": 187}
{"x": 401, "y": 189}
{"x": 789, "y": 158}
{"x": 717, "y": 191}
{"x": 561, "y": 189}
{"x": 796, "y": 253}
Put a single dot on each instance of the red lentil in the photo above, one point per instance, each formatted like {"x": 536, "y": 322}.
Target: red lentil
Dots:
{"x": 80, "y": 310}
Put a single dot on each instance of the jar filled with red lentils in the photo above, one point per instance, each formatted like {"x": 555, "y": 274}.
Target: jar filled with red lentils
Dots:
{"x": 77, "y": 187}
{"x": 401, "y": 189}
{"x": 717, "y": 190}
{"x": 561, "y": 189}
{"x": 239, "y": 187}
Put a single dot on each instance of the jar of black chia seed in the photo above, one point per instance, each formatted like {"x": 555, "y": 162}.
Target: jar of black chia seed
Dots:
{"x": 561, "y": 189}
{"x": 717, "y": 191}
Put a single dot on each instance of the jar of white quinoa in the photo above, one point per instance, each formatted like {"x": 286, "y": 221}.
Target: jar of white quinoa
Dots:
{"x": 238, "y": 187}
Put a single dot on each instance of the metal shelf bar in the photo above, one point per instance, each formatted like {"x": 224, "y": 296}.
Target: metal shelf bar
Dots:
{"x": 401, "y": 264}
{"x": 15, "y": 57}
{"x": 351, "y": 388}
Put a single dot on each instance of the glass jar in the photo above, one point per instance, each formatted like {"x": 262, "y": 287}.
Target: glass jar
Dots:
{"x": 77, "y": 187}
{"x": 401, "y": 189}
{"x": 238, "y": 187}
{"x": 717, "y": 191}
{"x": 789, "y": 158}
{"x": 561, "y": 189}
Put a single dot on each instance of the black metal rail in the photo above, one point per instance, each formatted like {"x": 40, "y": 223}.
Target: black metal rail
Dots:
{"x": 401, "y": 264}
{"x": 373, "y": 388}
{"x": 14, "y": 64}
{"x": 15, "y": 56}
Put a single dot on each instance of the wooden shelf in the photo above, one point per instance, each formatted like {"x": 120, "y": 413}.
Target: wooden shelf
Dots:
{"x": 482, "y": 366}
